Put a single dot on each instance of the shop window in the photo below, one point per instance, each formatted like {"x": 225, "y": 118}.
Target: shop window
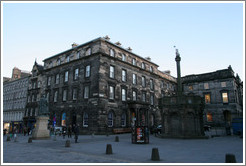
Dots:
{"x": 110, "y": 119}
{"x": 123, "y": 120}
{"x": 85, "y": 119}
{"x": 209, "y": 117}
{"x": 207, "y": 99}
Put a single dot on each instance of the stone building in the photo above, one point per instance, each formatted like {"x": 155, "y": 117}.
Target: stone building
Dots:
{"x": 102, "y": 86}
{"x": 14, "y": 102}
{"x": 222, "y": 92}
{"x": 34, "y": 93}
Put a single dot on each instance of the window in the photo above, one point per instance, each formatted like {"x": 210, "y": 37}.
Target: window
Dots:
{"x": 134, "y": 61}
{"x": 134, "y": 95}
{"x": 134, "y": 79}
{"x": 112, "y": 53}
{"x": 85, "y": 119}
{"x": 86, "y": 92}
{"x": 111, "y": 74}
{"x": 88, "y": 71}
{"x": 110, "y": 119}
{"x": 152, "y": 99}
{"x": 143, "y": 81}
{"x": 123, "y": 57}
{"x": 207, "y": 99}
{"x": 68, "y": 58}
{"x": 123, "y": 94}
{"x": 209, "y": 117}
{"x": 76, "y": 74}
{"x": 124, "y": 75}
{"x": 49, "y": 81}
{"x": 151, "y": 69}
{"x": 75, "y": 92}
{"x": 78, "y": 55}
{"x": 57, "y": 78}
{"x": 143, "y": 65}
{"x": 58, "y": 61}
{"x": 66, "y": 77}
{"x": 123, "y": 120}
{"x": 55, "y": 96}
{"x": 88, "y": 52}
{"x": 111, "y": 92}
{"x": 223, "y": 84}
{"x": 225, "y": 97}
{"x": 64, "y": 96}
{"x": 151, "y": 84}
{"x": 144, "y": 96}
{"x": 206, "y": 86}
{"x": 190, "y": 87}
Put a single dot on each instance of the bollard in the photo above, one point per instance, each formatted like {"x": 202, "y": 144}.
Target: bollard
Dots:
{"x": 116, "y": 139}
{"x": 155, "y": 155}
{"x": 67, "y": 143}
{"x": 29, "y": 140}
{"x": 230, "y": 158}
{"x": 8, "y": 138}
{"x": 109, "y": 149}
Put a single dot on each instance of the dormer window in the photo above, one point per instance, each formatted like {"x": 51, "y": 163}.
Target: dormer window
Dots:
{"x": 143, "y": 65}
{"x": 78, "y": 55}
{"x": 88, "y": 51}
{"x": 58, "y": 61}
{"x": 134, "y": 61}
{"x": 123, "y": 57}
{"x": 68, "y": 58}
{"x": 151, "y": 69}
{"x": 112, "y": 53}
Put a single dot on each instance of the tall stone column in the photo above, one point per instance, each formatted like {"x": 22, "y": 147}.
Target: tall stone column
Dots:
{"x": 178, "y": 59}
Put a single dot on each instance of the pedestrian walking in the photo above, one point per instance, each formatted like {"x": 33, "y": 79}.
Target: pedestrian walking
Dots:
{"x": 69, "y": 131}
{"x": 76, "y": 133}
{"x": 64, "y": 130}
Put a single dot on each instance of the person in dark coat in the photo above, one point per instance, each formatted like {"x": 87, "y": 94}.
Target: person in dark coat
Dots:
{"x": 69, "y": 131}
{"x": 76, "y": 133}
{"x": 64, "y": 130}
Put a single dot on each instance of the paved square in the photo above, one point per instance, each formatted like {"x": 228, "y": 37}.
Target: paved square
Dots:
{"x": 93, "y": 150}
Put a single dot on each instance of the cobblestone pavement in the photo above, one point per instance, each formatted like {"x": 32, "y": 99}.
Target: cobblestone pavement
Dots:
{"x": 92, "y": 149}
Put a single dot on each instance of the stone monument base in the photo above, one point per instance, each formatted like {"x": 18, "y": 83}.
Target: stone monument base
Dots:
{"x": 41, "y": 130}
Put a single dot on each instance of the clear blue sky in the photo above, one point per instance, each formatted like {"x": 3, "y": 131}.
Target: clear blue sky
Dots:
{"x": 209, "y": 36}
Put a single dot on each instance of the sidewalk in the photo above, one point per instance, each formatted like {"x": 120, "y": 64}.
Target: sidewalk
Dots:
{"x": 93, "y": 150}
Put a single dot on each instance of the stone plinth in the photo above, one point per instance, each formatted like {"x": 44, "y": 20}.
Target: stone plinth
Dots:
{"x": 41, "y": 130}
